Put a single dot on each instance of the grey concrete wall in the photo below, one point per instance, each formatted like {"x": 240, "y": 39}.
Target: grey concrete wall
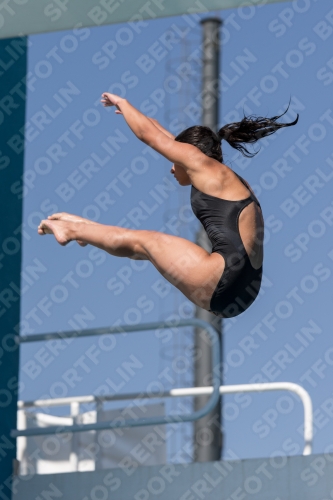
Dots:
{"x": 26, "y": 17}
{"x": 280, "y": 478}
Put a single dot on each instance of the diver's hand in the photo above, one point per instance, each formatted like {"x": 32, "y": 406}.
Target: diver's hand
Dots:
{"x": 111, "y": 100}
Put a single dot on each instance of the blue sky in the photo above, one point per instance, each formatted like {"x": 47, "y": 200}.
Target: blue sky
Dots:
{"x": 83, "y": 159}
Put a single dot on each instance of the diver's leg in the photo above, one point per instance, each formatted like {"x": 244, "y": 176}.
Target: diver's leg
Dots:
{"x": 187, "y": 266}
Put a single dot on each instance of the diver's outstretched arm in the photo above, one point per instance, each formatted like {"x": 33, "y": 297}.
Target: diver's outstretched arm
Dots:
{"x": 161, "y": 128}
{"x": 141, "y": 125}
{"x": 185, "y": 155}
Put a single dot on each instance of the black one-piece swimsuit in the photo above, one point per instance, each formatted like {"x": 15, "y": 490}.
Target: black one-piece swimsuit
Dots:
{"x": 240, "y": 282}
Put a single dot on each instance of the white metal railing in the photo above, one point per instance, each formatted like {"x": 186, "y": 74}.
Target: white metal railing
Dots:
{"x": 193, "y": 391}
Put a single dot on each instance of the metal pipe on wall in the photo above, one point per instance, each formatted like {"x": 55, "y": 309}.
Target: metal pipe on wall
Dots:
{"x": 207, "y": 431}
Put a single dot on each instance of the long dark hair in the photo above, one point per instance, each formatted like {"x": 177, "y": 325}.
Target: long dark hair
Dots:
{"x": 249, "y": 130}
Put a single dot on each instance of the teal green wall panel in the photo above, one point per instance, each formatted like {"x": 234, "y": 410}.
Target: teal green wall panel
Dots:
{"x": 12, "y": 118}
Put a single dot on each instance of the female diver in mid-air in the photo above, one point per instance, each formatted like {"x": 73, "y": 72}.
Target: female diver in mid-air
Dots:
{"x": 225, "y": 281}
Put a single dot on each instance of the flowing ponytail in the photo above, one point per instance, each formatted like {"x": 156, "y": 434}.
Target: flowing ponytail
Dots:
{"x": 250, "y": 129}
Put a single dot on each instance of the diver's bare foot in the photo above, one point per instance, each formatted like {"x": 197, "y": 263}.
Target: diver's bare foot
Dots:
{"x": 61, "y": 230}
{"x": 69, "y": 218}
{"x": 64, "y": 216}
{"x": 81, "y": 243}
